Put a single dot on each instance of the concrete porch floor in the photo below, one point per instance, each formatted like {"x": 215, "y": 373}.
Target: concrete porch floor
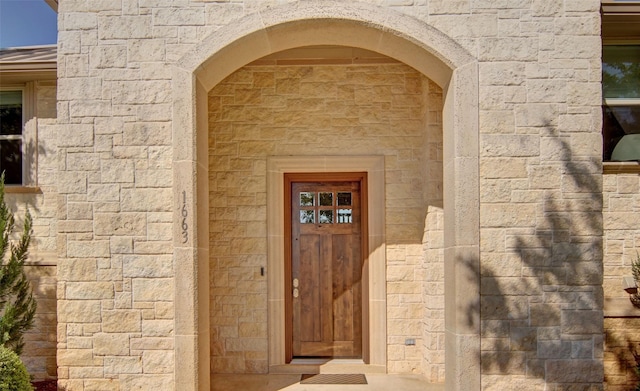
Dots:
{"x": 291, "y": 382}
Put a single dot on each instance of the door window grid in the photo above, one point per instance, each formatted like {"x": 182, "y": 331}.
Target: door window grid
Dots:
{"x": 324, "y": 205}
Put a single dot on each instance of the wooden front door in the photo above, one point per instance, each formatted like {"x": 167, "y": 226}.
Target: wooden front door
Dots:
{"x": 326, "y": 268}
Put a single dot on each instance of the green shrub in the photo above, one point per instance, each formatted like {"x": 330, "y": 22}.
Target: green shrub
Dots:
{"x": 13, "y": 374}
{"x": 17, "y": 305}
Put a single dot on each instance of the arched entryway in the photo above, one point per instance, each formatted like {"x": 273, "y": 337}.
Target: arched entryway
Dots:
{"x": 325, "y": 23}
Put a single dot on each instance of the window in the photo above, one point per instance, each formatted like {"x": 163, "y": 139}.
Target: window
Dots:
{"x": 621, "y": 80}
{"x": 621, "y": 108}
{"x": 11, "y": 134}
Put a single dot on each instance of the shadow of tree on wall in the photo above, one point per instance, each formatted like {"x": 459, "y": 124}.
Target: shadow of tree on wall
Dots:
{"x": 541, "y": 301}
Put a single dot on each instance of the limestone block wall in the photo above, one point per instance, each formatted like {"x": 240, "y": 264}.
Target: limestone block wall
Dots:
{"x": 262, "y": 111}
{"x": 114, "y": 159}
{"x": 433, "y": 350}
{"x": 540, "y": 309}
{"x": 540, "y": 181}
{"x": 39, "y": 353}
{"x": 621, "y": 230}
{"x": 433, "y": 338}
{"x": 621, "y": 247}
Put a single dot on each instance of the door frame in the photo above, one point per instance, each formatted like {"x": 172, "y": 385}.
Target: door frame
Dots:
{"x": 313, "y": 177}
{"x": 374, "y": 270}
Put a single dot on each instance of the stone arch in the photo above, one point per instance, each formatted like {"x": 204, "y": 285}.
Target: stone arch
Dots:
{"x": 326, "y": 23}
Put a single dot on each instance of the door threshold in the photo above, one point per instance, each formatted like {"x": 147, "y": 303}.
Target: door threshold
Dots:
{"x": 326, "y": 365}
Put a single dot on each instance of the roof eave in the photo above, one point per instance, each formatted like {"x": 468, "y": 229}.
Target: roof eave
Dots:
{"x": 53, "y": 4}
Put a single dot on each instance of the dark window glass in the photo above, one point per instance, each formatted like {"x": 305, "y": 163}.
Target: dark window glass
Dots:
{"x": 326, "y": 199}
{"x": 10, "y": 112}
{"x": 11, "y": 161}
{"x": 344, "y": 199}
{"x": 11, "y": 136}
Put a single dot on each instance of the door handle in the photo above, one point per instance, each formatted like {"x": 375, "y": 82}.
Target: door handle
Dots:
{"x": 296, "y": 283}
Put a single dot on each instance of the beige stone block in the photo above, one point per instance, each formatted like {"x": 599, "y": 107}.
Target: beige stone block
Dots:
{"x": 146, "y": 382}
{"x": 108, "y": 56}
{"x": 158, "y": 361}
{"x": 101, "y": 385}
{"x": 86, "y": 372}
{"x": 574, "y": 371}
{"x": 147, "y": 266}
{"x": 111, "y": 344}
{"x": 94, "y": 290}
{"x": 619, "y": 220}
{"x": 152, "y": 289}
{"x": 507, "y": 215}
{"x": 141, "y": 91}
{"x": 157, "y": 328}
{"x": 121, "y": 321}
{"x": 503, "y": 168}
{"x": 117, "y": 171}
{"x": 82, "y": 311}
{"x": 122, "y": 365}
{"x": 584, "y": 47}
{"x": 103, "y": 193}
{"x": 147, "y": 133}
{"x": 77, "y": 357}
{"x": 145, "y": 50}
{"x": 628, "y": 184}
{"x": 86, "y": 249}
{"x": 124, "y": 27}
{"x": 72, "y": 182}
{"x": 508, "y": 49}
{"x": 68, "y": 89}
{"x": 77, "y": 270}
{"x": 146, "y": 200}
{"x": 546, "y": 177}
{"x": 509, "y": 145}
{"x": 152, "y": 343}
{"x": 120, "y": 224}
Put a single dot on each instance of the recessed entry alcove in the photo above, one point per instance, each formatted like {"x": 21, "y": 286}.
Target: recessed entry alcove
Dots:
{"x": 201, "y": 180}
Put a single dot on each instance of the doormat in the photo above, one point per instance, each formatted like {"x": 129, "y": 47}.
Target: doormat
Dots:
{"x": 331, "y": 378}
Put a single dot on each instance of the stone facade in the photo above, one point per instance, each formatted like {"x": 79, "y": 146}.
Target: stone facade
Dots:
{"x": 620, "y": 220}
{"x": 155, "y": 191}
{"x": 39, "y": 354}
{"x": 261, "y": 111}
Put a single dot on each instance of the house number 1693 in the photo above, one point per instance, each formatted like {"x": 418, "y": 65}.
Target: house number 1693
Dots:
{"x": 185, "y": 213}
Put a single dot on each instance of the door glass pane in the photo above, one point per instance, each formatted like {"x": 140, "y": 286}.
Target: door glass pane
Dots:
{"x": 326, "y": 199}
{"x": 307, "y": 217}
{"x": 326, "y": 217}
{"x": 306, "y": 198}
{"x": 11, "y": 161}
{"x": 344, "y": 199}
{"x": 344, "y": 216}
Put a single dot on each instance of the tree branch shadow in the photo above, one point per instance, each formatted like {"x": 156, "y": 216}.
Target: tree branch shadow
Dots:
{"x": 541, "y": 300}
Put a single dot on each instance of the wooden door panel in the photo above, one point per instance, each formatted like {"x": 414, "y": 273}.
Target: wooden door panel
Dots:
{"x": 326, "y": 263}
{"x": 309, "y": 303}
{"x": 342, "y": 288}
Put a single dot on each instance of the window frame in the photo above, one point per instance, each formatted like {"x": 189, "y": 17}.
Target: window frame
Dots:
{"x": 614, "y": 13}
